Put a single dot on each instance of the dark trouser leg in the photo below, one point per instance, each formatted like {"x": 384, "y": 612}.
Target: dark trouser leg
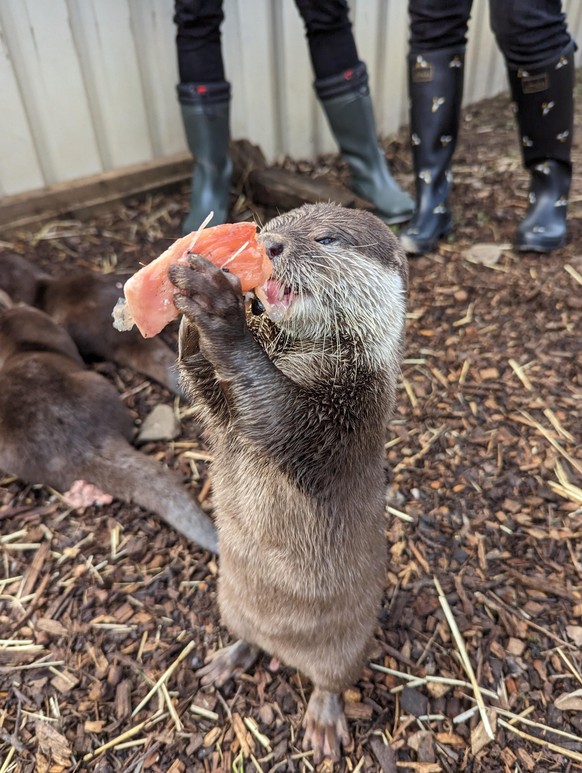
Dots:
{"x": 204, "y": 97}
{"x": 437, "y": 24}
{"x": 529, "y": 33}
{"x": 328, "y": 29}
{"x": 341, "y": 84}
{"x": 539, "y": 54}
{"x": 198, "y": 40}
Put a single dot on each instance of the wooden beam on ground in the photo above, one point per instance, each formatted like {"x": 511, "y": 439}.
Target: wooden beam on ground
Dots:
{"x": 86, "y": 192}
{"x": 283, "y": 190}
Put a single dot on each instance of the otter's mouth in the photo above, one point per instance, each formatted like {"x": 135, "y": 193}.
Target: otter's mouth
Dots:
{"x": 279, "y": 298}
{"x": 278, "y": 293}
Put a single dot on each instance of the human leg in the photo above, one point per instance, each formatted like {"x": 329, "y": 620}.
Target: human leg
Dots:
{"x": 539, "y": 55}
{"x": 341, "y": 84}
{"x": 435, "y": 84}
{"x": 204, "y": 97}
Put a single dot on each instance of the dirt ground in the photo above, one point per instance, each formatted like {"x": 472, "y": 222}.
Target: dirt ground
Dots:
{"x": 481, "y": 624}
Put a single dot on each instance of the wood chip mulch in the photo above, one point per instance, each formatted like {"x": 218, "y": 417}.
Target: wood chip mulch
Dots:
{"x": 476, "y": 664}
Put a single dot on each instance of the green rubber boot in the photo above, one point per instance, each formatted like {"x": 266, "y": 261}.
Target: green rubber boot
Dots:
{"x": 346, "y": 101}
{"x": 206, "y": 117}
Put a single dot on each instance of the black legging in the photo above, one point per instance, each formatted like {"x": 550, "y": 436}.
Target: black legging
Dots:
{"x": 528, "y": 32}
{"x": 328, "y": 29}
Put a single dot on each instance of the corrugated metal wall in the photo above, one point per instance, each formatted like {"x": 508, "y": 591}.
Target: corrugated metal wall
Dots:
{"x": 89, "y": 85}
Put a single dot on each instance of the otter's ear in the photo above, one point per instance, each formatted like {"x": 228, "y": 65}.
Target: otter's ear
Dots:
{"x": 5, "y": 301}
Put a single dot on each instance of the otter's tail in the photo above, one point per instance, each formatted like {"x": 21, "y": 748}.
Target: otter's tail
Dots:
{"x": 118, "y": 469}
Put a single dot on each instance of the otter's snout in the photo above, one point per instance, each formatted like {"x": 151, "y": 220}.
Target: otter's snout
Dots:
{"x": 273, "y": 247}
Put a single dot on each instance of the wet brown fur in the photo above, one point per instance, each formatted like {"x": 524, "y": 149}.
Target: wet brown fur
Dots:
{"x": 60, "y": 422}
{"x": 296, "y": 415}
{"x": 82, "y": 303}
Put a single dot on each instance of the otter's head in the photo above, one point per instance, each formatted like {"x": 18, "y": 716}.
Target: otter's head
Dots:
{"x": 20, "y": 278}
{"x": 26, "y": 329}
{"x": 336, "y": 271}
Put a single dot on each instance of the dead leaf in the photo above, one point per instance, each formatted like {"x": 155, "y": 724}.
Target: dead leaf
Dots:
{"x": 52, "y": 627}
{"x": 571, "y": 701}
{"x": 422, "y": 742}
{"x": 479, "y": 737}
{"x": 487, "y": 254}
{"x": 515, "y": 647}
{"x": 450, "y": 739}
{"x": 437, "y": 689}
{"x": 54, "y": 752}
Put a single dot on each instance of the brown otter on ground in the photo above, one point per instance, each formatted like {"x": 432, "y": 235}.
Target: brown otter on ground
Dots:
{"x": 82, "y": 302}
{"x": 296, "y": 411}
{"x": 61, "y": 424}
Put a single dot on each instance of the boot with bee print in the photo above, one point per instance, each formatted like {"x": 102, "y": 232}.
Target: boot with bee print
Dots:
{"x": 435, "y": 87}
{"x": 544, "y": 99}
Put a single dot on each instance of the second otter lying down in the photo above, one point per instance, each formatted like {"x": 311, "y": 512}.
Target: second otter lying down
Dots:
{"x": 61, "y": 423}
{"x": 81, "y": 302}
{"x": 295, "y": 407}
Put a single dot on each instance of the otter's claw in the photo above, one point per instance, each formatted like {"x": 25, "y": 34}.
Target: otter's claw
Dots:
{"x": 326, "y": 729}
{"x": 224, "y": 663}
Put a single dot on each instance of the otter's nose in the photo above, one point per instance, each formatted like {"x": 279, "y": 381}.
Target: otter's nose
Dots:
{"x": 273, "y": 248}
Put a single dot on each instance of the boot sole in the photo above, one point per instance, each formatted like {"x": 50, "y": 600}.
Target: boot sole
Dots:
{"x": 419, "y": 247}
{"x": 541, "y": 248}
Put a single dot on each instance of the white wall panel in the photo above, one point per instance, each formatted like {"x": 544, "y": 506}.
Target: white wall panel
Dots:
{"x": 295, "y": 96}
{"x": 573, "y": 9}
{"x": 90, "y": 85}
{"x": 391, "y": 105}
{"x": 41, "y": 47}
{"x": 254, "y": 115}
{"x": 19, "y": 166}
{"x": 154, "y": 35}
{"x": 108, "y": 63}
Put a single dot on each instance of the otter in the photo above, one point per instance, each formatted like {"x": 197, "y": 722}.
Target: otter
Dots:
{"x": 81, "y": 302}
{"x": 295, "y": 402}
{"x": 64, "y": 426}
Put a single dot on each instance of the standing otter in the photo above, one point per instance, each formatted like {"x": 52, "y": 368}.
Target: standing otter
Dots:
{"x": 60, "y": 423}
{"x": 81, "y": 302}
{"x": 295, "y": 407}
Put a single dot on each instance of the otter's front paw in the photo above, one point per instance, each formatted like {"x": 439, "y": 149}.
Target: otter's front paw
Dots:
{"x": 210, "y": 298}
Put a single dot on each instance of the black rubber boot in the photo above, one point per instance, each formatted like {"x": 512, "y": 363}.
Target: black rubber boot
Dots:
{"x": 545, "y": 115}
{"x": 206, "y": 116}
{"x": 346, "y": 101}
{"x": 435, "y": 87}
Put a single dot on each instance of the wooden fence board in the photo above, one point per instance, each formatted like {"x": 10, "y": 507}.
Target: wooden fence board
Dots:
{"x": 41, "y": 46}
{"x": 19, "y": 166}
{"x": 154, "y": 35}
{"x": 109, "y": 66}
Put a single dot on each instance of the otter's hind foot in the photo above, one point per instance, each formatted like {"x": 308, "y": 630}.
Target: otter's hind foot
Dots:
{"x": 224, "y": 663}
{"x": 326, "y": 729}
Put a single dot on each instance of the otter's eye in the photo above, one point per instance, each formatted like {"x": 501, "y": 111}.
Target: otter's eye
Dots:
{"x": 326, "y": 240}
